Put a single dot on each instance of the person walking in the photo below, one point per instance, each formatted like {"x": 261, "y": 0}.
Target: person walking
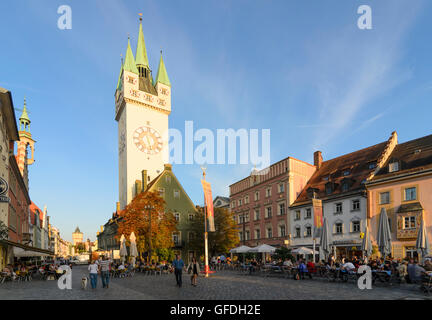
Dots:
{"x": 178, "y": 265}
{"x": 93, "y": 270}
{"x": 105, "y": 271}
{"x": 195, "y": 270}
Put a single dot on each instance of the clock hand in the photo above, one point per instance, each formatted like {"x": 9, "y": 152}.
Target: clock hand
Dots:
{"x": 149, "y": 143}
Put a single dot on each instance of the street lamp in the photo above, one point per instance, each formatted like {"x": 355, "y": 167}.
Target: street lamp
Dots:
{"x": 149, "y": 208}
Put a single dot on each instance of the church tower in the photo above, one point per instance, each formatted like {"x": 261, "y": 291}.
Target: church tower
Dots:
{"x": 25, "y": 144}
{"x": 143, "y": 105}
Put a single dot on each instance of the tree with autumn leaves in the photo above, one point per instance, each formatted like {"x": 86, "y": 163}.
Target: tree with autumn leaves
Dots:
{"x": 222, "y": 240}
{"x": 136, "y": 218}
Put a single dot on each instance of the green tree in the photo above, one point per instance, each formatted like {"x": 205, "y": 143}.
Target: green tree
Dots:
{"x": 222, "y": 240}
{"x": 80, "y": 247}
{"x": 283, "y": 253}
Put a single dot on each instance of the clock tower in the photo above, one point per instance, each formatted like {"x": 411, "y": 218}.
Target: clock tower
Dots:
{"x": 142, "y": 107}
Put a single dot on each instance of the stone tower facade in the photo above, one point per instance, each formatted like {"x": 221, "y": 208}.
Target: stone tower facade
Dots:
{"x": 143, "y": 105}
{"x": 25, "y": 145}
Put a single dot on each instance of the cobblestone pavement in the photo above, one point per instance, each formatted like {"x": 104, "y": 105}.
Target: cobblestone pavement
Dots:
{"x": 221, "y": 285}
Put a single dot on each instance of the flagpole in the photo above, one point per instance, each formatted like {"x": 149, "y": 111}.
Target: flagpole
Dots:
{"x": 206, "y": 266}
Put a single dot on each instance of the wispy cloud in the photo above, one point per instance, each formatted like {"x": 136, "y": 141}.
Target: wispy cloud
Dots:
{"x": 354, "y": 68}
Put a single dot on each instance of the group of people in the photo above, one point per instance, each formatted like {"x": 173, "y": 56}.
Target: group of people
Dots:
{"x": 101, "y": 267}
{"x": 29, "y": 270}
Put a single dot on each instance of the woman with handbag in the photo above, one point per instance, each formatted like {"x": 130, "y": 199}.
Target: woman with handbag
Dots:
{"x": 194, "y": 269}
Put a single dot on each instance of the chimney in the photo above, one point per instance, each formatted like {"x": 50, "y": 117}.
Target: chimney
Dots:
{"x": 318, "y": 159}
{"x": 117, "y": 207}
{"x": 144, "y": 180}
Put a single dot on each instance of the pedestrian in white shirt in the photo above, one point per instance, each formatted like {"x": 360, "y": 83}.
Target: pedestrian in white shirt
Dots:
{"x": 93, "y": 270}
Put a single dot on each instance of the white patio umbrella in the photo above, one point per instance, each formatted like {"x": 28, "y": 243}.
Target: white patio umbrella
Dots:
{"x": 384, "y": 235}
{"x": 241, "y": 249}
{"x": 422, "y": 242}
{"x": 366, "y": 244}
{"x": 133, "y": 248}
{"x": 123, "y": 250}
{"x": 302, "y": 251}
{"x": 325, "y": 240}
{"x": 264, "y": 248}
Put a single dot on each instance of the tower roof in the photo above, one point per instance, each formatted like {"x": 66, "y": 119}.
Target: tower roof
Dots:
{"x": 141, "y": 51}
{"x": 129, "y": 63}
{"x": 24, "y": 115}
{"x": 120, "y": 82}
{"x": 77, "y": 230}
{"x": 162, "y": 75}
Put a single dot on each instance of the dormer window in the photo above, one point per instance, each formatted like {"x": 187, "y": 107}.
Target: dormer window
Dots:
{"x": 346, "y": 173}
{"x": 394, "y": 166}
{"x": 372, "y": 165}
{"x": 345, "y": 186}
{"x": 329, "y": 188}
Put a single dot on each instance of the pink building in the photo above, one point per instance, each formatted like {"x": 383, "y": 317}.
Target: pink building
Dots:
{"x": 260, "y": 202}
{"x": 403, "y": 186}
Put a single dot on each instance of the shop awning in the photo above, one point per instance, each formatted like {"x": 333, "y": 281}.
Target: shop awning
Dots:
{"x": 22, "y": 250}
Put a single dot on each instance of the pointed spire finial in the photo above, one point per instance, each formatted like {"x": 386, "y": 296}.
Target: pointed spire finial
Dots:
{"x": 140, "y": 14}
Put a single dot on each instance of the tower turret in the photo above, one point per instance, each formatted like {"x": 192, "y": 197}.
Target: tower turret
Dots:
{"x": 26, "y": 141}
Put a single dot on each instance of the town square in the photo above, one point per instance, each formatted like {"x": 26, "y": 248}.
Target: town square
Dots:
{"x": 216, "y": 150}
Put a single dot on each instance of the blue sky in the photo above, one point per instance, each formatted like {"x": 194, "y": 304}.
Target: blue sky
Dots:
{"x": 300, "y": 68}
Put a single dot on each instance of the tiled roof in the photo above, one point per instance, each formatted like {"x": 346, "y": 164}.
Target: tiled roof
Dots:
{"x": 332, "y": 171}
{"x": 35, "y": 212}
{"x": 413, "y": 156}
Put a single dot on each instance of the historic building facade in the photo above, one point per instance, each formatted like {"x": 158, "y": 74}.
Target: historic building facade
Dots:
{"x": 337, "y": 190}
{"x": 403, "y": 187}
{"x": 260, "y": 202}
{"x": 77, "y": 236}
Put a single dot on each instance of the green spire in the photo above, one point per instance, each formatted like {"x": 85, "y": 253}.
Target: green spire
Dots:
{"x": 129, "y": 64}
{"x": 24, "y": 119}
{"x": 120, "y": 80}
{"x": 162, "y": 75}
{"x": 141, "y": 52}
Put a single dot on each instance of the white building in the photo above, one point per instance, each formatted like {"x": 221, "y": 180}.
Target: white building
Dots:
{"x": 337, "y": 190}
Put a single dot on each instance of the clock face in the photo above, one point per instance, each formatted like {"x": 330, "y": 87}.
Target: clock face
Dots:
{"x": 148, "y": 140}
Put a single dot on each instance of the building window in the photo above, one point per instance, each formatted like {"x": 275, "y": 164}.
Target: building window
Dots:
{"x": 241, "y": 236}
{"x": 168, "y": 179}
{"x": 394, "y": 166}
{"x": 257, "y": 214}
{"x": 268, "y": 192}
{"x": 297, "y": 232}
{"x": 269, "y": 233}
{"x": 372, "y": 165}
{"x": 328, "y": 188}
{"x": 191, "y": 236}
{"x": 282, "y": 209}
{"x": 385, "y": 197}
{"x": 410, "y": 222}
{"x": 308, "y": 232}
{"x": 191, "y": 216}
{"x": 356, "y": 226}
{"x": 233, "y": 204}
{"x": 240, "y": 202}
{"x": 177, "y": 216}
{"x": 269, "y": 212}
{"x": 345, "y": 186}
{"x": 257, "y": 234}
{"x": 355, "y": 205}
{"x": 338, "y": 228}
{"x": 246, "y": 235}
{"x": 161, "y": 192}
{"x": 282, "y": 231}
{"x": 246, "y": 200}
{"x": 346, "y": 173}
{"x": 281, "y": 188}
{"x": 176, "y": 238}
{"x": 297, "y": 215}
{"x": 338, "y": 208}
{"x": 256, "y": 196}
{"x": 308, "y": 213}
{"x": 246, "y": 217}
{"x": 176, "y": 194}
{"x": 410, "y": 194}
